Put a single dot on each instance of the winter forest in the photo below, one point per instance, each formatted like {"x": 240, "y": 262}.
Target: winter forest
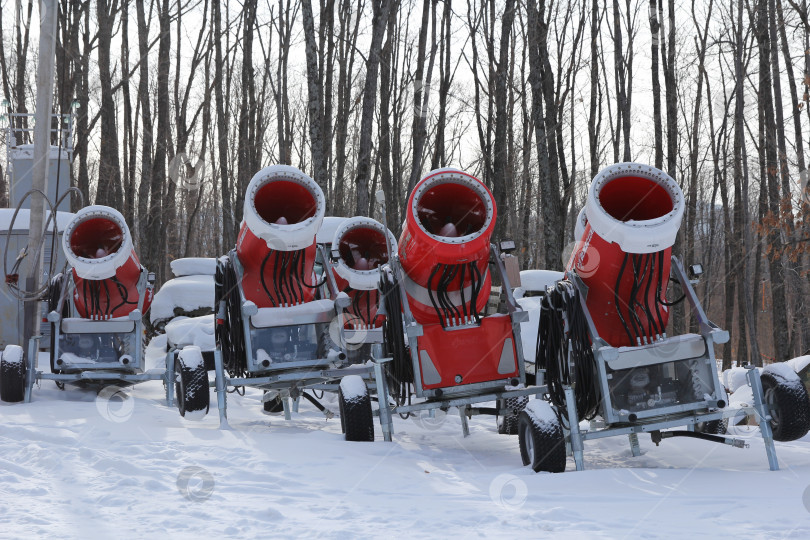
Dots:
{"x": 178, "y": 103}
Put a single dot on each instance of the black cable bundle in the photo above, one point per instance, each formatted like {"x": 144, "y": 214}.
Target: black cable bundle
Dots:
{"x": 441, "y": 302}
{"x": 229, "y": 336}
{"x": 559, "y": 310}
{"x": 400, "y": 369}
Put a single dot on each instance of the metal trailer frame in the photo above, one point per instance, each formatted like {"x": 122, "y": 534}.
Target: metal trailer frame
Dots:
{"x": 129, "y": 373}
{"x": 621, "y": 422}
{"x": 464, "y": 396}
{"x": 294, "y": 377}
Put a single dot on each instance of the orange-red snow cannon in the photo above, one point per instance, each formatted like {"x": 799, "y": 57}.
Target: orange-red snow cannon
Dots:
{"x": 283, "y": 211}
{"x": 445, "y": 255}
{"x": 444, "y": 247}
{"x": 631, "y": 218}
{"x": 106, "y": 270}
{"x": 359, "y": 247}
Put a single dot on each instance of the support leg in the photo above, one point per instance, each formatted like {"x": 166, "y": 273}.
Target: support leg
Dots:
{"x": 635, "y": 449}
{"x": 465, "y": 425}
{"x": 221, "y": 386}
{"x": 295, "y": 404}
{"x": 31, "y": 367}
{"x": 573, "y": 424}
{"x": 386, "y": 420}
{"x": 168, "y": 377}
{"x": 764, "y": 415}
{"x": 285, "y": 402}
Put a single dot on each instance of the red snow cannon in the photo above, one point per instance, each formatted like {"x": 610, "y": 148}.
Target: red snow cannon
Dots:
{"x": 283, "y": 211}
{"x": 444, "y": 247}
{"x": 445, "y": 256}
{"x": 359, "y": 247}
{"x": 106, "y": 270}
{"x": 631, "y": 218}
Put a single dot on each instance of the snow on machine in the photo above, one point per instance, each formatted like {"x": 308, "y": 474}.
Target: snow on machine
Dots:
{"x": 280, "y": 318}
{"x": 604, "y": 347}
{"x": 95, "y": 312}
{"x": 445, "y": 349}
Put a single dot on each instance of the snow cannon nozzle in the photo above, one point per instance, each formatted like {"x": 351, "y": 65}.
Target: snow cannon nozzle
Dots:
{"x": 97, "y": 242}
{"x": 284, "y": 207}
{"x": 444, "y": 247}
{"x": 360, "y": 247}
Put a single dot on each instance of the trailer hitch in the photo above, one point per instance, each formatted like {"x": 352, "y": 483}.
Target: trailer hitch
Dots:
{"x": 658, "y": 436}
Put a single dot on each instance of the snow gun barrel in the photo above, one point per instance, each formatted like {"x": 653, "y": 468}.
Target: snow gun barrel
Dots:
{"x": 444, "y": 247}
{"x": 283, "y": 211}
{"x": 359, "y": 249}
{"x": 106, "y": 271}
{"x": 630, "y": 221}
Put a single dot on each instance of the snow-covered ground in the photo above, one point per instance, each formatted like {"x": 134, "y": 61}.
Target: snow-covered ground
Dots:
{"x": 75, "y": 465}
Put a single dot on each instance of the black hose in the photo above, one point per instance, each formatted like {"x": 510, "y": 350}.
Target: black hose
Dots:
{"x": 616, "y": 300}
{"x": 314, "y": 401}
{"x": 562, "y": 304}
{"x": 400, "y": 369}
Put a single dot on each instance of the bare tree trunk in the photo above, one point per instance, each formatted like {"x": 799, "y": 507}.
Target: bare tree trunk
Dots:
{"x": 501, "y": 173}
{"x": 228, "y": 223}
{"x": 594, "y": 119}
{"x": 541, "y": 81}
{"x": 315, "y": 98}
{"x": 421, "y": 91}
{"x": 155, "y": 233}
{"x": 655, "y": 29}
{"x": 378, "y": 24}
{"x": 109, "y": 166}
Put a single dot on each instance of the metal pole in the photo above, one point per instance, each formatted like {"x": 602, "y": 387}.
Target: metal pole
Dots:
{"x": 42, "y": 149}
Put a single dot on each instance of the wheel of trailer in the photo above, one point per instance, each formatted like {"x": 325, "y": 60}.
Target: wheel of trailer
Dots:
{"x": 191, "y": 384}
{"x": 273, "y": 406}
{"x": 12, "y": 374}
{"x": 542, "y": 443}
{"x": 356, "y": 418}
{"x": 788, "y": 402}
{"x": 508, "y": 425}
{"x": 712, "y": 427}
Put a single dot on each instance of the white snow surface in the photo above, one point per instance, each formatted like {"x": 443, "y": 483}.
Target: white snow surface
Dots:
{"x": 528, "y": 329}
{"x": 187, "y": 292}
{"x": 799, "y": 363}
{"x": 541, "y": 411}
{"x": 783, "y": 370}
{"x": 191, "y": 357}
{"x": 280, "y": 316}
{"x": 537, "y": 280}
{"x": 12, "y": 354}
{"x": 353, "y": 387}
{"x": 73, "y": 465}
{"x": 196, "y": 331}
{"x": 190, "y": 266}
{"x": 21, "y": 223}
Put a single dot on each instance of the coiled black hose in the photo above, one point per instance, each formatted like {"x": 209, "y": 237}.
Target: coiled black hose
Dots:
{"x": 399, "y": 369}
{"x": 228, "y": 330}
{"x": 561, "y": 307}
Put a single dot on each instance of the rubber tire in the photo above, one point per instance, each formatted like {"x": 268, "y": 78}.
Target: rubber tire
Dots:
{"x": 542, "y": 446}
{"x": 191, "y": 387}
{"x": 273, "y": 406}
{"x": 791, "y": 417}
{"x": 508, "y": 425}
{"x": 12, "y": 379}
{"x": 356, "y": 417}
{"x": 712, "y": 427}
